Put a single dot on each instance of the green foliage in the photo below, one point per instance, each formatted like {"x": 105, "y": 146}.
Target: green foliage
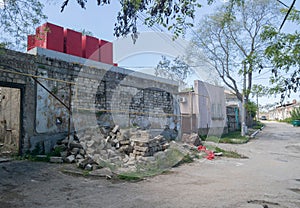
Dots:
{"x": 37, "y": 150}
{"x": 251, "y": 108}
{"x": 259, "y": 90}
{"x": 234, "y": 138}
{"x": 174, "y": 15}
{"x": 3, "y": 45}
{"x": 130, "y": 176}
{"x": 295, "y": 114}
{"x": 287, "y": 120}
{"x": 186, "y": 159}
{"x": 258, "y": 125}
{"x": 283, "y": 52}
{"x": 86, "y": 32}
{"x": 230, "y": 154}
{"x": 18, "y": 18}
{"x": 229, "y": 138}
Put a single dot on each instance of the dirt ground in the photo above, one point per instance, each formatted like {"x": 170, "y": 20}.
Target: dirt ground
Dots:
{"x": 269, "y": 178}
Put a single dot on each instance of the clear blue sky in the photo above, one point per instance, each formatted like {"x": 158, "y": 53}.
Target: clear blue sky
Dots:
{"x": 100, "y": 21}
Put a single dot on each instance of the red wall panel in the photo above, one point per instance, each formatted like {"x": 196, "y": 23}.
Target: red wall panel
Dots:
{"x": 72, "y": 42}
{"x": 31, "y": 42}
{"x": 50, "y": 36}
{"x": 106, "y": 52}
{"x": 90, "y": 47}
{"x": 68, "y": 41}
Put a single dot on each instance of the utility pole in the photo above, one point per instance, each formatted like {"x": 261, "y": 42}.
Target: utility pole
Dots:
{"x": 257, "y": 106}
{"x": 243, "y": 129}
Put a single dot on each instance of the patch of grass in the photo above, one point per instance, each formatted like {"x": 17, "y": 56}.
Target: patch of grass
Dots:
{"x": 33, "y": 158}
{"x": 86, "y": 173}
{"x": 231, "y": 138}
{"x": 132, "y": 176}
{"x": 186, "y": 159}
{"x": 258, "y": 125}
{"x": 230, "y": 154}
{"x": 104, "y": 164}
{"x": 212, "y": 139}
{"x": 42, "y": 67}
{"x": 287, "y": 120}
{"x": 171, "y": 158}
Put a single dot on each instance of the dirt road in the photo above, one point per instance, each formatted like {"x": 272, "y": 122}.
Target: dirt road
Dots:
{"x": 269, "y": 178}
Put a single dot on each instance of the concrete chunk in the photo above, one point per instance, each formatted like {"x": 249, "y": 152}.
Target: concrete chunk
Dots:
{"x": 70, "y": 159}
{"x": 116, "y": 129}
{"x": 56, "y": 160}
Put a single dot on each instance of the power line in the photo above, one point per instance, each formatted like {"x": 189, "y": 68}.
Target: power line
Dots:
{"x": 287, "y": 14}
{"x": 283, "y": 3}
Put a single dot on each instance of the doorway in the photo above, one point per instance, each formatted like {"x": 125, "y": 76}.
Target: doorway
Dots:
{"x": 10, "y": 108}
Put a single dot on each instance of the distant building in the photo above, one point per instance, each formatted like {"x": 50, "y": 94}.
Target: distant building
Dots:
{"x": 203, "y": 109}
{"x": 283, "y": 111}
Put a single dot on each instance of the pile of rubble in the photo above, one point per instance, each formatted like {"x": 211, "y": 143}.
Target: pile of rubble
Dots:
{"x": 144, "y": 145}
{"x": 101, "y": 145}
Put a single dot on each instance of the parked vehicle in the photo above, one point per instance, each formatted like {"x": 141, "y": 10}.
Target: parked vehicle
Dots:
{"x": 263, "y": 118}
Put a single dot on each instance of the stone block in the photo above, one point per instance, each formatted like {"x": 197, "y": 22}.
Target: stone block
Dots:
{"x": 64, "y": 154}
{"x": 88, "y": 167}
{"x": 102, "y": 172}
{"x": 192, "y": 139}
{"x": 70, "y": 159}
{"x": 83, "y": 162}
{"x": 125, "y": 142}
{"x": 56, "y": 160}
{"x": 79, "y": 157}
{"x": 82, "y": 152}
{"x": 116, "y": 129}
{"x": 141, "y": 149}
{"x": 75, "y": 151}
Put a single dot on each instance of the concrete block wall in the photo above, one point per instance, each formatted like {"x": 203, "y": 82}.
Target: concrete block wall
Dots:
{"x": 101, "y": 95}
{"x": 21, "y": 63}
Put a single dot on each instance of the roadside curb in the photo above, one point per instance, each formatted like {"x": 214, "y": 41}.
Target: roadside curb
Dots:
{"x": 256, "y": 132}
{"x": 3, "y": 160}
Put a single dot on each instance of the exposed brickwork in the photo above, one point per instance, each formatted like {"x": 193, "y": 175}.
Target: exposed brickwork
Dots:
{"x": 108, "y": 95}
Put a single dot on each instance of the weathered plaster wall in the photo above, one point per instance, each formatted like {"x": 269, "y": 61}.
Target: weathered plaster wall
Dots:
{"x": 211, "y": 108}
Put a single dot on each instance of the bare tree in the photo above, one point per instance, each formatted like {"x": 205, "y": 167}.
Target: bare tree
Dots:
{"x": 230, "y": 38}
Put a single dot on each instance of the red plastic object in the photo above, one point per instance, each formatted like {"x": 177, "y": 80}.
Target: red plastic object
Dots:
{"x": 201, "y": 148}
{"x": 73, "y": 42}
{"x": 106, "y": 52}
{"x": 90, "y": 48}
{"x": 210, "y": 155}
{"x": 50, "y": 36}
